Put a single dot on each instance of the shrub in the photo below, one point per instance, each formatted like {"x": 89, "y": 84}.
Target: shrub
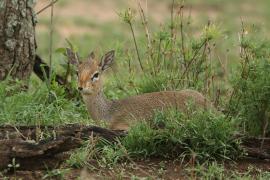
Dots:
{"x": 203, "y": 135}
{"x": 250, "y": 99}
{"x": 172, "y": 58}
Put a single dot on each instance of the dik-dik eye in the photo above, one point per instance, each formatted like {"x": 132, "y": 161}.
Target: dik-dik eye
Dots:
{"x": 95, "y": 77}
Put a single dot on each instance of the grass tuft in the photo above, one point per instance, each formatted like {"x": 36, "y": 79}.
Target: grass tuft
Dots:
{"x": 38, "y": 107}
{"x": 203, "y": 135}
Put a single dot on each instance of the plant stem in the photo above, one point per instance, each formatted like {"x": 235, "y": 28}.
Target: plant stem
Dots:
{"x": 182, "y": 35}
{"x": 172, "y": 19}
{"x": 192, "y": 60}
{"x": 158, "y": 58}
{"x": 51, "y": 44}
{"x": 44, "y": 8}
{"x": 145, "y": 24}
{"x": 136, "y": 46}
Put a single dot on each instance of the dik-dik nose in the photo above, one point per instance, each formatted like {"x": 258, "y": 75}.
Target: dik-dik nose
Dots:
{"x": 80, "y": 88}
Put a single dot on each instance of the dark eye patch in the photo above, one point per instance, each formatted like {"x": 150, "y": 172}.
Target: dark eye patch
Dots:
{"x": 95, "y": 76}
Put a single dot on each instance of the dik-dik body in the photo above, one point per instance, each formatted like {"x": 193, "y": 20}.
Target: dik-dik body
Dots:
{"x": 122, "y": 113}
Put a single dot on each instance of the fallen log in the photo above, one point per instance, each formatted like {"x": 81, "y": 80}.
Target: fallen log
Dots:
{"x": 23, "y": 143}
{"x": 254, "y": 148}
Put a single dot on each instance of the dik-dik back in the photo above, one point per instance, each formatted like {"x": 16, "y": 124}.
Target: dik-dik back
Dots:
{"x": 122, "y": 113}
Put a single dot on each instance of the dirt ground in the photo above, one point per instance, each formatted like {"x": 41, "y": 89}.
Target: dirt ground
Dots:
{"x": 153, "y": 169}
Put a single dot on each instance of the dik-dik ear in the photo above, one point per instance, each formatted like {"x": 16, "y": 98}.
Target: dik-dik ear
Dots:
{"x": 107, "y": 60}
{"x": 91, "y": 56}
{"x": 73, "y": 57}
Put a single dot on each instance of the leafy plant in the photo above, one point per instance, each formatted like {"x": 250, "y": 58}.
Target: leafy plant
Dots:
{"x": 14, "y": 166}
{"x": 250, "y": 98}
{"x": 55, "y": 174}
{"x": 172, "y": 58}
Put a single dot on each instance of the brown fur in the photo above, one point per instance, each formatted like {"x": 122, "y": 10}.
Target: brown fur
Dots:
{"x": 123, "y": 113}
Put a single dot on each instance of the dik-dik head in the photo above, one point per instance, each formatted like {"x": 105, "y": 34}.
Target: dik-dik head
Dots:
{"x": 90, "y": 71}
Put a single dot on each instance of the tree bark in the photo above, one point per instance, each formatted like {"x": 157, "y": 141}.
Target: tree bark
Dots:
{"x": 17, "y": 39}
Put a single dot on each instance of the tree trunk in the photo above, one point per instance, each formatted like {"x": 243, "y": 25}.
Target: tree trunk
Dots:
{"x": 17, "y": 39}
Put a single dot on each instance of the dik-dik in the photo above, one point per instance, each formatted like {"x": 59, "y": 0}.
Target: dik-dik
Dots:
{"x": 124, "y": 112}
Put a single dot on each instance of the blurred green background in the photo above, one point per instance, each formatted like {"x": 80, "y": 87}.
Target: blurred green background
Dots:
{"x": 95, "y": 24}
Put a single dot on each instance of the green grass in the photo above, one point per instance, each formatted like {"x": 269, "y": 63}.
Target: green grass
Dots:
{"x": 200, "y": 135}
{"x": 37, "y": 107}
{"x": 215, "y": 170}
{"x": 80, "y": 157}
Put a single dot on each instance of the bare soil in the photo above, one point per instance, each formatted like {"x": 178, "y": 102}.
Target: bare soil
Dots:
{"x": 153, "y": 168}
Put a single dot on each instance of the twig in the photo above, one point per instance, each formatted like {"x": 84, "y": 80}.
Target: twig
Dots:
{"x": 46, "y": 7}
{"x": 172, "y": 20}
{"x": 192, "y": 60}
{"x": 194, "y": 56}
{"x": 51, "y": 43}
{"x": 265, "y": 126}
{"x": 145, "y": 23}
{"x": 182, "y": 34}
{"x": 17, "y": 130}
{"x": 136, "y": 46}
{"x": 159, "y": 54}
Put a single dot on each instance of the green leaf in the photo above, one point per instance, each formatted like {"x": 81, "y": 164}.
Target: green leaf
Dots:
{"x": 61, "y": 51}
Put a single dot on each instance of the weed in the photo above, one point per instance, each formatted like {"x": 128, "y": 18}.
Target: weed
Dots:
{"x": 101, "y": 152}
{"x": 165, "y": 66}
{"x": 80, "y": 158}
{"x": 250, "y": 98}
{"x": 55, "y": 174}
{"x": 13, "y": 166}
{"x": 111, "y": 153}
{"x": 207, "y": 171}
{"x": 215, "y": 170}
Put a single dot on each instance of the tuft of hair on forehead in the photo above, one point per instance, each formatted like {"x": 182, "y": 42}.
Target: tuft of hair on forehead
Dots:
{"x": 89, "y": 64}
